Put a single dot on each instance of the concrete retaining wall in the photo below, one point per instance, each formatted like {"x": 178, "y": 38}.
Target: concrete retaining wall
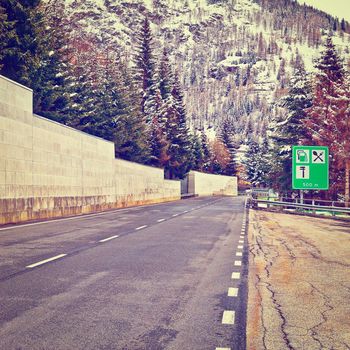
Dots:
{"x": 50, "y": 170}
{"x": 202, "y": 184}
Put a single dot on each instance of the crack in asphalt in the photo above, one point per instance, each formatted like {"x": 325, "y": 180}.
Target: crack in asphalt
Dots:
{"x": 274, "y": 249}
{"x": 328, "y": 307}
{"x": 269, "y": 259}
{"x": 315, "y": 252}
{"x": 262, "y": 315}
{"x": 288, "y": 249}
{"x": 278, "y": 308}
{"x": 256, "y": 286}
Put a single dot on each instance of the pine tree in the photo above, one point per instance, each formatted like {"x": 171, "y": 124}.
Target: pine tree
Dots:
{"x": 166, "y": 77}
{"x": 179, "y": 151}
{"x": 206, "y": 151}
{"x": 82, "y": 108}
{"x": 115, "y": 117}
{"x": 22, "y": 50}
{"x": 133, "y": 142}
{"x": 265, "y": 162}
{"x": 145, "y": 69}
{"x": 151, "y": 98}
{"x": 251, "y": 162}
{"x": 340, "y": 146}
{"x": 155, "y": 108}
{"x": 328, "y": 118}
{"x": 157, "y": 136}
{"x": 226, "y": 136}
{"x": 158, "y": 145}
{"x": 52, "y": 79}
{"x": 197, "y": 153}
{"x": 7, "y": 31}
{"x": 290, "y": 129}
{"x": 32, "y": 55}
{"x": 256, "y": 163}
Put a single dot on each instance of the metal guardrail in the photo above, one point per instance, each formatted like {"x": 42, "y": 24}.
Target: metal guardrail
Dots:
{"x": 320, "y": 202}
{"x": 287, "y": 205}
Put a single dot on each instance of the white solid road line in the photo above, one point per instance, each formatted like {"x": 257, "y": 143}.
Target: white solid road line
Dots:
{"x": 141, "y": 227}
{"x": 108, "y": 239}
{"x": 232, "y": 292}
{"x": 238, "y": 263}
{"x": 160, "y": 220}
{"x": 239, "y": 254}
{"x": 228, "y": 317}
{"x": 46, "y": 261}
{"x": 236, "y": 275}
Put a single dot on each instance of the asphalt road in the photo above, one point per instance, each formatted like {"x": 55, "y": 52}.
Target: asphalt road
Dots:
{"x": 154, "y": 277}
{"x": 299, "y": 283}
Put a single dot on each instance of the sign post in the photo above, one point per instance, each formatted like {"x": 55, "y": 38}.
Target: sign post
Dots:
{"x": 310, "y": 170}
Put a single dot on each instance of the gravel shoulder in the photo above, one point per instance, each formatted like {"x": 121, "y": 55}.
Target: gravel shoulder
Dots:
{"x": 299, "y": 283}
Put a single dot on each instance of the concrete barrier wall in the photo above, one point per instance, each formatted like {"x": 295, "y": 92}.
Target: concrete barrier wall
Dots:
{"x": 202, "y": 184}
{"x": 50, "y": 170}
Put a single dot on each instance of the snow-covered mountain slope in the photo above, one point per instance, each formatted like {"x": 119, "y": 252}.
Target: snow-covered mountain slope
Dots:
{"x": 235, "y": 56}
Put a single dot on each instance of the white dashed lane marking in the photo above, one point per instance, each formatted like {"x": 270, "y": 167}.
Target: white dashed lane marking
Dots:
{"x": 228, "y": 317}
{"x": 108, "y": 239}
{"x": 232, "y": 292}
{"x": 241, "y": 241}
{"x": 160, "y": 220}
{"x": 240, "y": 247}
{"x": 238, "y": 263}
{"x": 222, "y": 348}
{"x": 239, "y": 254}
{"x": 141, "y": 227}
{"x": 236, "y": 275}
{"x": 46, "y": 261}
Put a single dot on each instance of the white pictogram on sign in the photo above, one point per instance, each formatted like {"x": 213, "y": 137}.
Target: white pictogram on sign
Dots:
{"x": 303, "y": 172}
{"x": 303, "y": 156}
{"x": 318, "y": 157}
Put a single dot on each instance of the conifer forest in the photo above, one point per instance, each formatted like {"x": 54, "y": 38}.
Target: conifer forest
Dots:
{"x": 219, "y": 86}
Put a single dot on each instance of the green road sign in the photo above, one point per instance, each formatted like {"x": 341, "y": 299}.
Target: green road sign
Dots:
{"x": 310, "y": 168}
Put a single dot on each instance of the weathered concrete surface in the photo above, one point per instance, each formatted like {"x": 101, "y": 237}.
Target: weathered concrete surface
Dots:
{"x": 203, "y": 184}
{"x": 299, "y": 283}
{"x": 50, "y": 170}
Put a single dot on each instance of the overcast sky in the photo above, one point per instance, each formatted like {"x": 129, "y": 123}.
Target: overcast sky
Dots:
{"x": 338, "y": 8}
